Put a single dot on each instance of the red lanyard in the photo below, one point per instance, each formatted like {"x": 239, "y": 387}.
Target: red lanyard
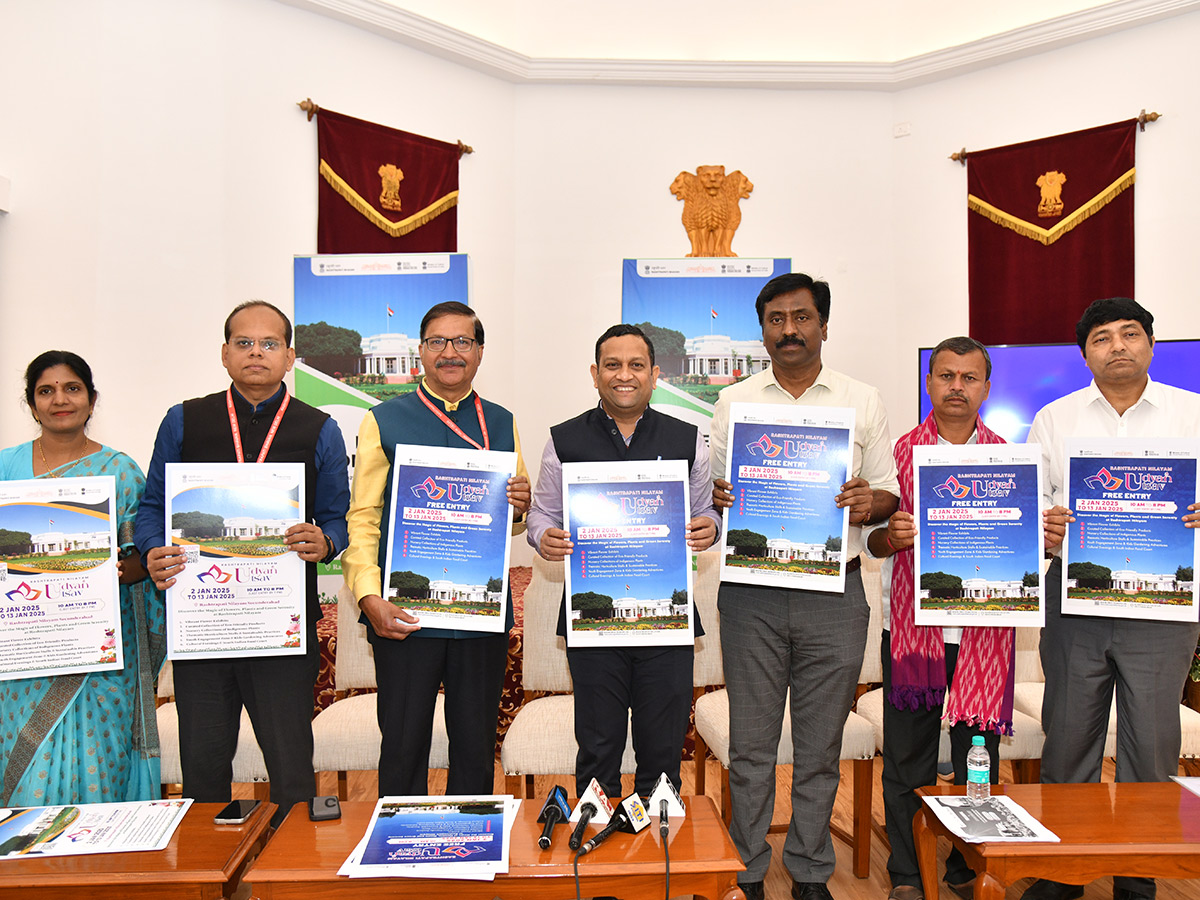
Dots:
{"x": 470, "y": 440}
{"x": 237, "y": 432}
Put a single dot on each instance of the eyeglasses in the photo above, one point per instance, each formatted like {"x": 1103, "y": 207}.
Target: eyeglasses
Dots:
{"x": 245, "y": 345}
{"x": 461, "y": 344}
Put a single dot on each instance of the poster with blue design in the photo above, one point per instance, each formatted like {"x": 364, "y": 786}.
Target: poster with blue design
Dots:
{"x": 242, "y": 592}
{"x": 450, "y": 535}
{"x": 699, "y": 313}
{"x": 629, "y": 575}
{"x": 60, "y": 608}
{"x": 978, "y": 553}
{"x": 435, "y": 837}
{"x": 786, "y": 465}
{"x": 1128, "y": 554}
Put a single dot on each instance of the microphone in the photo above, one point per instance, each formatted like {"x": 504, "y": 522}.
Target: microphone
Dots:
{"x": 618, "y": 820}
{"x": 554, "y": 810}
{"x": 586, "y": 811}
{"x": 630, "y": 817}
{"x": 594, "y": 804}
{"x": 664, "y": 820}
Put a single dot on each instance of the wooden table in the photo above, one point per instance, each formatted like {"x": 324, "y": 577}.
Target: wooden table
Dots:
{"x": 303, "y": 857}
{"x": 1146, "y": 830}
{"x": 203, "y": 861}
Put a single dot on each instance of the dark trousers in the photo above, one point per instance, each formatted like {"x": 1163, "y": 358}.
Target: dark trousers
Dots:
{"x": 910, "y": 757}
{"x": 277, "y": 692}
{"x": 1085, "y": 659}
{"x": 656, "y": 684}
{"x": 409, "y": 673}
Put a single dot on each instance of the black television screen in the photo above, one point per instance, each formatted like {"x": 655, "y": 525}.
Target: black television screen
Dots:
{"x": 1025, "y": 377}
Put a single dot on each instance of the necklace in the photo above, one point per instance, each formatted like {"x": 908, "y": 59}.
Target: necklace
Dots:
{"x": 46, "y": 463}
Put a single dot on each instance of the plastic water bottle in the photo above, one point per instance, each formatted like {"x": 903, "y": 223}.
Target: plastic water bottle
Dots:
{"x": 979, "y": 771}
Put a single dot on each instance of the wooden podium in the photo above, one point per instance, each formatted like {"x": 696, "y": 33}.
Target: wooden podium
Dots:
{"x": 203, "y": 861}
{"x": 303, "y": 857}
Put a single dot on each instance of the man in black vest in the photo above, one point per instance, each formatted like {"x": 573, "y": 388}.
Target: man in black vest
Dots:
{"x": 655, "y": 682}
{"x": 273, "y": 427}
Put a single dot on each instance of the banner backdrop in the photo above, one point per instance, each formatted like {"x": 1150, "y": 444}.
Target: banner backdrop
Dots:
{"x": 1050, "y": 229}
{"x": 383, "y": 190}
{"x": 702, "y": 323}
{"x": 358, "y": 325}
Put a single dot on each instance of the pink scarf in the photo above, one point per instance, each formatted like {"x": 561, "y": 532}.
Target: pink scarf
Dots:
{"x": 982, "y": 693}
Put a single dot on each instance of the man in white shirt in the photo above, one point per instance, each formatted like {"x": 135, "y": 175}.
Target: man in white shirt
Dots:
{"x": 810, "y": 641}
{"x": 1085, "y": 657}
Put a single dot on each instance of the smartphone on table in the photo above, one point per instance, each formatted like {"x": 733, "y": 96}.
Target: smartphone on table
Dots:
{"x": 236, "y": 813}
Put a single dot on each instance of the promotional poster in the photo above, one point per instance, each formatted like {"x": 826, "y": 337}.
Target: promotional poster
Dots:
{"x": 59, "y": 603}
{"x": 241, "y": 591}
{"x": 435, "y": 837}
{"x": 1128, "y": 554}
{"x": 41, "y": 831}
{"x": 699, "y": 314}
{"x": 786, "y": 465}
{"x": 979, "y": 549}
{"x": 629, "y": 576}
{"x": 450, "y": 536}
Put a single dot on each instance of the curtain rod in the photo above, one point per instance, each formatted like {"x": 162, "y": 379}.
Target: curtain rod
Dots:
{"x": 960, "y": 156}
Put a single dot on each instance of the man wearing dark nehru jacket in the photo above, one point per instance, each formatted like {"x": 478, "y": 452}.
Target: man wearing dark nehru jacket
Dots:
{"x": 411, "y": 663}
{"x": 810, "y": 641}
{"x": 654, "y": 682}
{"x": 1085, "y": 657}
{"x": 254, "y": 420}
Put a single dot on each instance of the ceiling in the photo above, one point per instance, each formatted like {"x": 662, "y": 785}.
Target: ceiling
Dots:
{"x": 883, "y": 44}
{"x": 709, "y": 30}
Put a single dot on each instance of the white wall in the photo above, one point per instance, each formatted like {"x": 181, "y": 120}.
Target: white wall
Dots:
{"x": 161, "y": 173}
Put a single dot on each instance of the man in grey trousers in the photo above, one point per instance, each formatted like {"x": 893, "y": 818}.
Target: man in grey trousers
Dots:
{"x": 810, "y": 641}
{"x": 1086, "y": 657}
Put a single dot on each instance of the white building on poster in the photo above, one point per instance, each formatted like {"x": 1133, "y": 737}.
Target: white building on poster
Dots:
{"x": 633, "y": 608}
{"x": 785, "y": 551}
{"x": 446, "y": 592}
{"x": 1128, "y": 580}
{"x": 394, "y": 356}
{"x": 717, "y": 356}
{"x": 247, "y": 528}
{"x": 56, "y": 543}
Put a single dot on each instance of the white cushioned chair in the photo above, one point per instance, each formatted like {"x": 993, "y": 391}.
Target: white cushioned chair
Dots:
{"x": 541, "y": 738}
{"x": 346, "y": 734}
{"x": 248, "y": 763}
{"x": 858, "y": 738}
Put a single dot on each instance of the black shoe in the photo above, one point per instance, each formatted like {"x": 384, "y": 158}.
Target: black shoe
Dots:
{"x": 810, "y": 890}
{"x": 753, "y": 890}
{"x": 1044, "y": 889}
{"x": 1124, "y": 893}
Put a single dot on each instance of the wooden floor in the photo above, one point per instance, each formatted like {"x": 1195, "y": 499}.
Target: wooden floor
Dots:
{"x": 843, "y": 885}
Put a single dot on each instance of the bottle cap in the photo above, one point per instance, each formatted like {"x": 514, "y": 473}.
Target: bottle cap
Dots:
{"x": 977, "y": 741}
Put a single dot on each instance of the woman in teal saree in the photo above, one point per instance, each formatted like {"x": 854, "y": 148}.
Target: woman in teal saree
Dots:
{"x": 89, "y": 737}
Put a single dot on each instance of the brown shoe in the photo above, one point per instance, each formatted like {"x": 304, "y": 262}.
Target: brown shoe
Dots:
{"x": 906, "y": 892}
{"x": 966, "y": 889}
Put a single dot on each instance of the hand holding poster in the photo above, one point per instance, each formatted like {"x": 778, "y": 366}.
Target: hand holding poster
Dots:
{"x": 979, "y": 549}
{"x": 241, "y": 591}
{"x": 629, "y": 575}
{"x": 786, "y": 464}
{"x": 450, "y": 536}
{"x": 59, "y": 607}
{"x": 1128, "y": 554}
